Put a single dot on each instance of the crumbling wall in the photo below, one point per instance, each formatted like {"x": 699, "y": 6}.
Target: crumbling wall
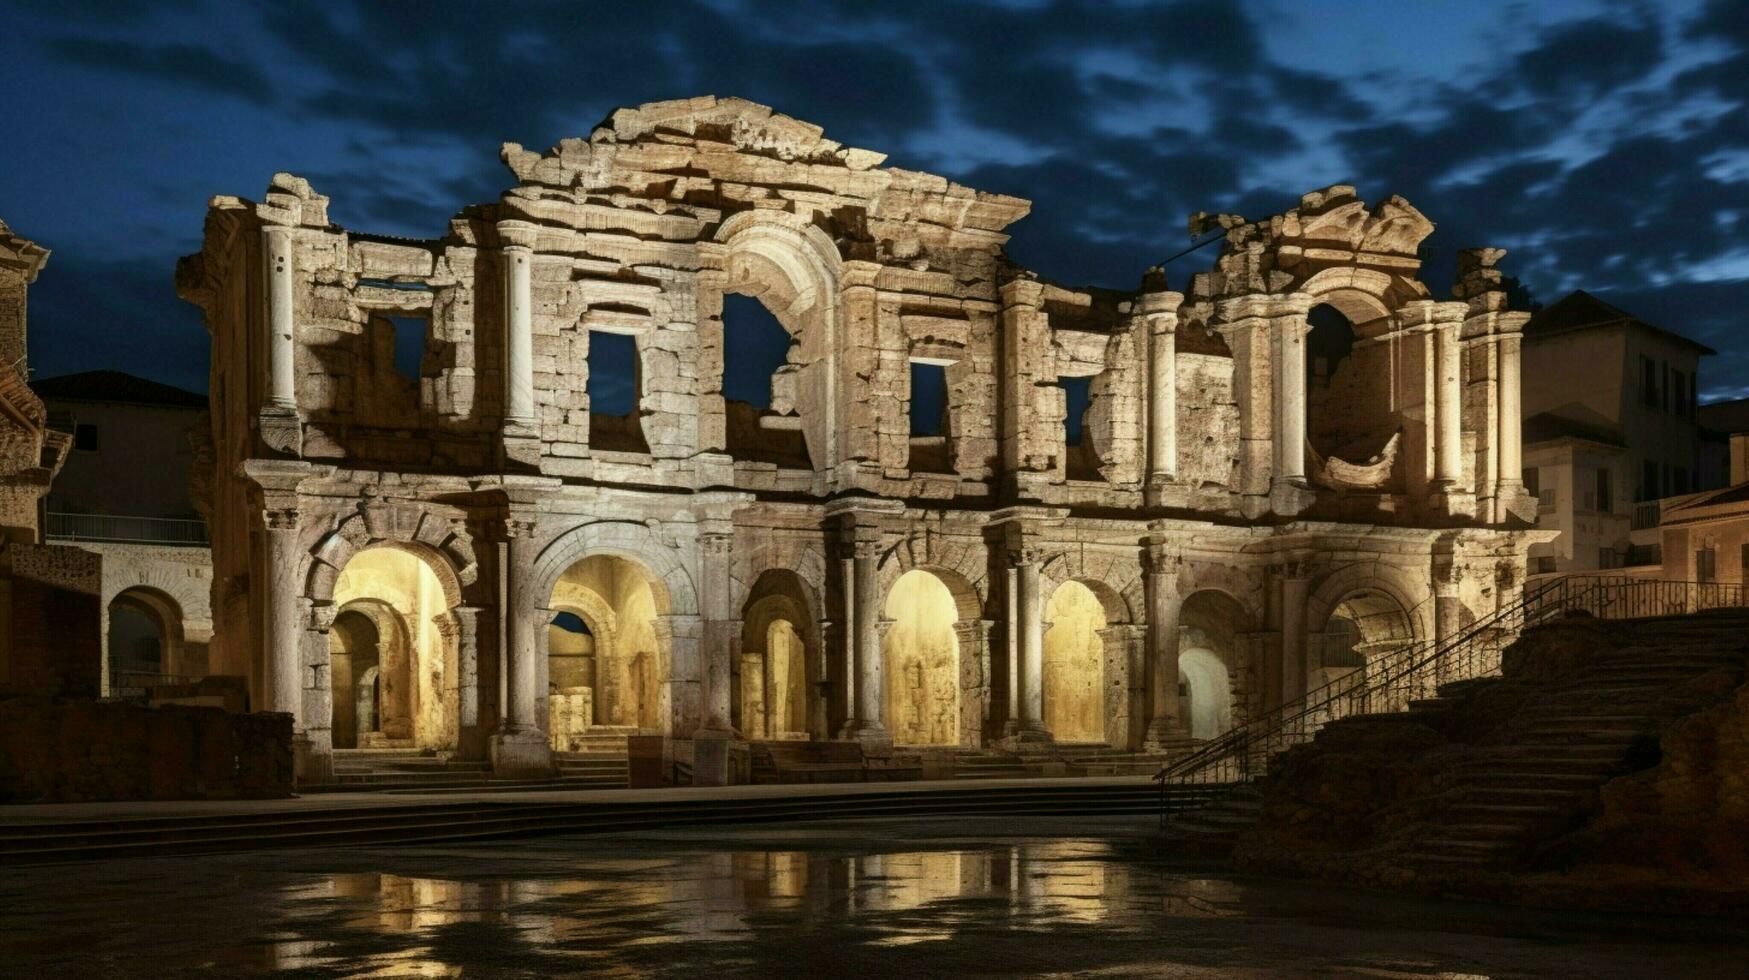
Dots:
{"x": 78, "y": 751}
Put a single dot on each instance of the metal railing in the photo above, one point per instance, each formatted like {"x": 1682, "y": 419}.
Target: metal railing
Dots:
{"x": 1390, "y": 681}
{"x": 125, "y": 530}
{"x": 1647, "y": 514}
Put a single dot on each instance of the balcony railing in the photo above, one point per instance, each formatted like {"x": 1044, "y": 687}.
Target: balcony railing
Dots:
{"x": 125, "y": 530}
{"x": 1647, "y": 513}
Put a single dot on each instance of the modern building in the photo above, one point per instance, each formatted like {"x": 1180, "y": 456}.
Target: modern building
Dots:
{"x": 1610, "y": 427}
{"x": 125, "y": 494}
{"x": 437, "y": 463}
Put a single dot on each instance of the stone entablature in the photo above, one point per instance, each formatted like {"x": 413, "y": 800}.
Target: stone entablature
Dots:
{"x": 1199, "y": 463}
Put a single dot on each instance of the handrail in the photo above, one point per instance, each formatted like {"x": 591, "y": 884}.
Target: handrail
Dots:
{"x": 1431, "y": 660}
{"x": 124, "y": 529}
{"x": 1242, "y": 742}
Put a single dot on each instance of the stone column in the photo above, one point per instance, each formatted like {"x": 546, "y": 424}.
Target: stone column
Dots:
{"x": 467, "y": 665}
{"x": 1448, "y": 466}
{"x": 1160, "y": 309}
{"x": 871, "y": 688}
{"x": 1011, "y": 647}
{"x": 520, "y": 745}
{"x": 1295, "y": 585}
{"x": 847, "y": 580}
{"x": 518, "y": 238}
{"x": 1161, "y": 587}
{"x": 1511, "y": 422}
{"x": 276, "y": 247}
{"x": 282, "y": 629}
{"x": 1290, "y": 401}
{"x": 714, "y": 548}
{"x": 1032, "y": 643}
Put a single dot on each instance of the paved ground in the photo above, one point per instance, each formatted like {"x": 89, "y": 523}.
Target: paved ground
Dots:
{"x": 890, "y": 899}
{"x": 53, "y": 813}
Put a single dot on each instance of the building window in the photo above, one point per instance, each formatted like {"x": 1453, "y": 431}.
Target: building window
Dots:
{"x": 85, "y": 438}
{"x": 928, "y": 399}
{"x": 1649, "y": 481}
{"x": 1664, "y": 389}
{"x": 1669, "y": 482}
{"x": 1533, "y": 484}
{"x": 1607, "y": 558}
{"x": 1681, "y": 479}
{"x": 1679, "y": 392}
{"x": 1546, "y": 499}
{"x": 1706, "y": 565}
{"x": 1543, "y": 565}
{"x": 1605, "y": 493}
{"x": 408, "y": 354}
{"x": 1649, "y": 382}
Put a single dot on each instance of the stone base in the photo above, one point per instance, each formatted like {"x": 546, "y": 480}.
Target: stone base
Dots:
{"x": 281, "y": 429}
{"x": 1288, "y": 498}
{"x": 1165, "y": 735}
{"x": 311, "y": 762}
{"x": 710, "y": 759}
{"x": 521, "y": 754}
{"x": 521, "y": 446}
{"x": 1455, "y": 503}
{"x": 1029, "y": 740}
{"x": 1166, "y": 493}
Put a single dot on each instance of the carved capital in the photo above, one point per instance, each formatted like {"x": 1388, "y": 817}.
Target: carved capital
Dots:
{"x": 716, "y": 544}
{"x": 1023, "y": 554}
{"x": 519, "y": 527}
{"x": 1161, "y": 562}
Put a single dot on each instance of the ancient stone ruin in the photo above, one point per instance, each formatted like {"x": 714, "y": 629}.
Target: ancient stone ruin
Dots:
{"x": 1273, "y": 472}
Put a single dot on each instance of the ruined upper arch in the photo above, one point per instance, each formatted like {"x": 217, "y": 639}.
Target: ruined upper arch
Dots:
{"x": 675, "y": 595}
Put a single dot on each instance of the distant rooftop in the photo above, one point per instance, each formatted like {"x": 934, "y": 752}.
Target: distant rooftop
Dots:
{"x": 115, "y": 387}
{"x": 1579, "y": 310}
{"x": 1572, "y": 422}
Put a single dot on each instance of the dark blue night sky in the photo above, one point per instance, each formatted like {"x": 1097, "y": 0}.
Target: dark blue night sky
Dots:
{"x": 1605, "y": 144}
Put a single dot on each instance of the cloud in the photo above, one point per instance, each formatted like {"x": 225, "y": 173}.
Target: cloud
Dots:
{"x": 183, "y": 64}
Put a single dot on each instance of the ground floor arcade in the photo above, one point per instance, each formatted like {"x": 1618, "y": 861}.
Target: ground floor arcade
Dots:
{"x": 518, "y": 623}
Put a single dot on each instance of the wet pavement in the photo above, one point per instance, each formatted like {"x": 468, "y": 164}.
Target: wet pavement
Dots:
{"x": 914, "y": 899}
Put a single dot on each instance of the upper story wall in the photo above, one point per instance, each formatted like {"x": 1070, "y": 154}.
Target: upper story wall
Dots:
{"x": 640, "y": 232}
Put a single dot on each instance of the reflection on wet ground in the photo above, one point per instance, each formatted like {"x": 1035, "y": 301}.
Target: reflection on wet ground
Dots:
{"x": 933, "y": 898}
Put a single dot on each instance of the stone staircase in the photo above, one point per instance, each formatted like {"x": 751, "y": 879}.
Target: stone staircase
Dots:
{"x": 1530, "y": 751}
{"x": 600, "y": 766}
{"x": 301, "y": 823}
{"x": 1568, "y": 742}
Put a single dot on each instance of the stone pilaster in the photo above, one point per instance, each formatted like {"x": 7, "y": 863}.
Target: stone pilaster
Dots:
{"x": 520, "y": 746}
{"x": 1294, "y": 580}
{"x": 1160, "y": 587}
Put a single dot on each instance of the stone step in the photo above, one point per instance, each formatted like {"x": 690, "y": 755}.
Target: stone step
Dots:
{"x": 1444, "y": 858}
{"x": 1461, "y": 845}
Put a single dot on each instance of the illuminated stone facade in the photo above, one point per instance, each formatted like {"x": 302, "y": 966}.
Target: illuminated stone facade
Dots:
{"x": 1227, "y": 492}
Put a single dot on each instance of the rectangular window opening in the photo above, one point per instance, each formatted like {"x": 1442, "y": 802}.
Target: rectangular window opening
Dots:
{"x": 613, "y": 387}
{"x": 613, "y": 373}
{"x": 928, "y": 399}
{"x": 1078, "y": 394}
{"x": 1605, "y": 493}
{"x": 409, "y": 345}
{"x": 85, "y": 438}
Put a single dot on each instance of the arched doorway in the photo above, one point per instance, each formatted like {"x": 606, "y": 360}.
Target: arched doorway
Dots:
{"x": 1208, "y": 692}
{"x": 1216, "y": 670}
{"x": 779, "y": 662}
{"x": 391, "y": 609}
{"x": 1364, "y": 640}
{"x": 143, "y": 641}
{"x": 354, "y": 665}
{"x": 1074, "y": 665}
{"x": 920, "y": 653}
{"x": 611, "y": 651}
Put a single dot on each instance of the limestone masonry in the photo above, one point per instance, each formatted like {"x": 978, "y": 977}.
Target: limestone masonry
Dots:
{"x": 479, "y": 560}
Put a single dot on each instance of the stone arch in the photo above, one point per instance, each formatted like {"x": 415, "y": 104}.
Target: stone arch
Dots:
{"x": 1361, "y": 295}
{"x": 1406, "y": 592}
{"x": 793, "y": 269}
{"x": 440, "y": 540}
{"x": 1117, "y": 583}
{"x": 168, "y": 578}
{"x": 397, "y": 699}
{"x": 804, "y": 559}
{"x": 924, "y": 658}
{"x": 780, "y": 686}
{"x": 961, "y": 569}
{"x": 1212, "y": 619}
{"x": 162, "y": 611}
{"x": 637, "y": 543}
